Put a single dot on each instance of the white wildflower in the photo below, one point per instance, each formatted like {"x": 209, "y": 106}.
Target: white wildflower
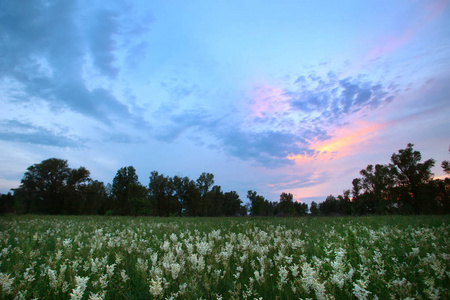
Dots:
{"x": 142, "y": 265}
{"x": 173, "y": 237}
{"x": 6, "y": 283}
{"x": 414, "y": 252}
{"x": 203, "y": 248}
{"x": 283, "y": 273}
{"x": 431, "y": 291}
{"x": 95, "y": 296}
{"x": 124, "y": 276}
{"x": 154, "y": 258}
{"x": 110, "y": 270}
{"x": 175, "y": 269}
{"x": 20, "y": 296}
{"x": 52, "y": 278}
{"x": 118, "y": 258}
{"x": 29, "y": 277}
{"x": 360, "y": 289}
{"x": 156, "y": 287}
{"x": 165, "y": 246}
{"x": 80, "y": 287}
{"x": 67, "y": 243}
{"x": 103, "y": 280}
{"x": 65, "y": 287}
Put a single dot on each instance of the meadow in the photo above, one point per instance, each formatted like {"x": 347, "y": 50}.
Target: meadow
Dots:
{"x": 63, "y": 257}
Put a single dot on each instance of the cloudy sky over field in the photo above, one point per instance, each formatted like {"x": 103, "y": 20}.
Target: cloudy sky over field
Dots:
{"x": 273, "y": 96}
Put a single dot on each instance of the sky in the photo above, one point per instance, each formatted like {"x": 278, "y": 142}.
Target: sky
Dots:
{"x": 270, "y": 96}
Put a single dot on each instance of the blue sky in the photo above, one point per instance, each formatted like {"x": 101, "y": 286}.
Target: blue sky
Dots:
{"x": 272, "y": 96}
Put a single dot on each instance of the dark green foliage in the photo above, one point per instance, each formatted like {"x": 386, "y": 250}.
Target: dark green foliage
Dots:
{"x": 314, "y": 210}
{"x": 330, "y": 206}
{"x": 124, "y": 188}
{"x": 163, "y": 195}
{"x": 204, "y": 183}
{"x": 6, "y": 203}
{"x": 405, "y": 186}
{"x": 51, "y": 187}
{"x": 286, "y": 205}
{"x": 259, "y": 206}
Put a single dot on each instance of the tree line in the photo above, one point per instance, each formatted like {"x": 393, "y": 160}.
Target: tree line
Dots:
{"x": 405, "y": 186}
{"x": 52, "y": 187}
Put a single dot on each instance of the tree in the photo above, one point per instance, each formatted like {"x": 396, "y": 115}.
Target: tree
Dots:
{"x": 52, "y": 187}
{"x": 330, "y": 206}
{"x": 215, "y": 198}
{"x": 204, "y": 183}
{"x": 77, "y": 184}
{"x": 232, "y": 205}
{"x": 344, "y": 203}
{"x": 122, "y": 191}
{"x": 188, "y": 195}
{"x": 412, "y": 177}
{"x": 446, "y": 165}
{"x": 181, "y": 192}
{"x": 96, "y": 199}
{"x": 314, "y": 210}
{"x": 286, "y": 205}
{"x": 6, "y": 203}
{"x": 139, "y": 203}
{"x": 356, "y": 187}
{"x": 378, "y": 183}
{"x": 300, "y": 208}
{"x": 163, "y": 196}
{"x": 256, "y": 202}
{"x": 259, "y": 206}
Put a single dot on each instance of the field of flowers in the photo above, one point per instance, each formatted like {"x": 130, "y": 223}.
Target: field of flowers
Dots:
{"x": 224, "y": 258}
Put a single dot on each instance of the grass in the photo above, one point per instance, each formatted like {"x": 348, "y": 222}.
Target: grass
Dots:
{"x": 66, "y": 257}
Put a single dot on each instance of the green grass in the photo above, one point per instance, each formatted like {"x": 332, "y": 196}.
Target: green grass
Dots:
{"x": 211, "y": 258}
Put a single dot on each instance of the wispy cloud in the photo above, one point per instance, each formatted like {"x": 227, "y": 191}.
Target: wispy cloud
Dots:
{"x": 392, "y": 43}
{"x": 308, "y": 179}
{"x": 24, "y": 132}
{"x": 48, "y": 46}
{"x": 328, "y": 99}
{"x": 283, "y": 123}
{"x": 345, "y": 141}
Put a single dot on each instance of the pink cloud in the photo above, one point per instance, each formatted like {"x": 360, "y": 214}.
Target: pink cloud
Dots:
{"x": 392, "y": 43}
{"x": 345, "y": 141}
{"x": 267, "y": 100}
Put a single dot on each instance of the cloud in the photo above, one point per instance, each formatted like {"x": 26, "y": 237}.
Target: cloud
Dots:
{"x": 392, "y": 43}
{"x": 267, "y": 148}
{"x": 122, "y": 138}
{"x": 13, "y": 130}
{"x": 344, "y": 141}
{"x": 46, "y": 48}
{"x": 301, "y": 181}
{"x": 329, "y": 98}
{"x": 191, "y": 122}
{"x": 101, "y": 41}
{"x": 281, "y": 126}
{"x": 180, "y": 88}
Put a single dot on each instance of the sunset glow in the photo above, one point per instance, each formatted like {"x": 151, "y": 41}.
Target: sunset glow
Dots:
{"x": 345, "y": 141}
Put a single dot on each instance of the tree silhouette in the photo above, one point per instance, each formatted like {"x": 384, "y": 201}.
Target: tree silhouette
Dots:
{"x": 122, "y": 189}
{"x": 204, "y": 183}
{"x": 446, "y": 165}
{"x": 412, "y": 176}
{"x": 52, "y": 187}
{"x": 286, "y": 205}
{"x": 314, "y": 209}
